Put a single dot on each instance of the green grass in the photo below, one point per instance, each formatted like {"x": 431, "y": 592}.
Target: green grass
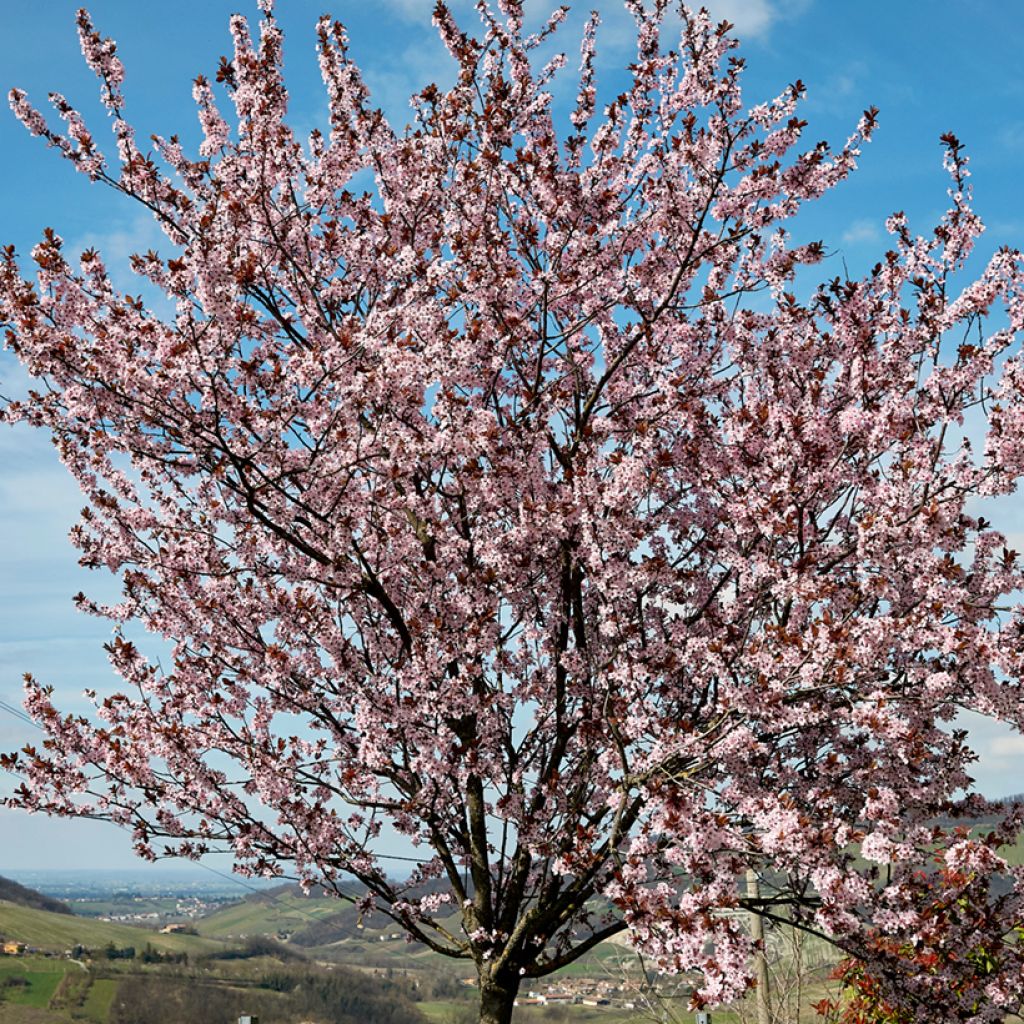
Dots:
{"x": 12, "y": 1013}
{"x": 97, "y": 1004}
{"x": 43, "y": 977}
{"x": 286, "y": 912}
{"x": 1014, "y": 854}
{"x": 61, "y": 931}
{"x": 438, "y": 1009}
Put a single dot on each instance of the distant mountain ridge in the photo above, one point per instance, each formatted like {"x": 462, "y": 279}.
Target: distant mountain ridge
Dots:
{"x": 23, "y": 896}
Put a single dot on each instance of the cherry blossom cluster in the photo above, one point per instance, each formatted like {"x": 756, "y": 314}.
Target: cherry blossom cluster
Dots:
{"x": 534, "y": 506}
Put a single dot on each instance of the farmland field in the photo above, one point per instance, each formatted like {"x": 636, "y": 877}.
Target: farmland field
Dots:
{"x": 15, "y": 1013}
{"x": 42, "y": 976}
{"x": 61, "y": 931}
{"x": 267, "y": 916}
{"x": 96, "y": 1007}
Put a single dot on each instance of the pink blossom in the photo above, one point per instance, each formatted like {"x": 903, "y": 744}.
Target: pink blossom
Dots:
{"x": 492, "y": 509}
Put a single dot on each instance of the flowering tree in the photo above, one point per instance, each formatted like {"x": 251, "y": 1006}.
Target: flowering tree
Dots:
{"x": 946, "y": 952}
{"x": 521, "y": 506}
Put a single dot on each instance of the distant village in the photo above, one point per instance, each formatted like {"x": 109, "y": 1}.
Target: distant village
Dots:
{"x": 589, "y": 992}
{"x": 190, "y": 907}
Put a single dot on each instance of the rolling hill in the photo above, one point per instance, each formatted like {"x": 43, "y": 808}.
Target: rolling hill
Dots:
{"x": 14, "y": 892}
{"x": 280, "y": 911}
{"x": 56, "y": 931}
{"x": 320, "y": 926}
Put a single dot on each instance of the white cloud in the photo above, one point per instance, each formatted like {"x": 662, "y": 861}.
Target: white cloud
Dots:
{"x": 1000, "y": 748}
{"x": 862, "y": 230}
{"x": 392, "y": 85}
{"x": 1011, "y": 137}
{"x": 119, "y": 243}
{"x": 1007, "y": 746}
{"x": 420, "y": 12}
{"x": 842, "y": 89}
{"x": 393, "y": 82}
{"x": 751, "y": 17}
{"x": 841, "y": 85}
{"x": 412, "y": 9}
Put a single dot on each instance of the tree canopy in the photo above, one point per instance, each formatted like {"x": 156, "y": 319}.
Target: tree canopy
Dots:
{"x": 503, "y": 483}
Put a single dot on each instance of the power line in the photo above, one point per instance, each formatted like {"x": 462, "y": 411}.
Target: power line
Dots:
{"x": 22, "y": 716}
{"x": 19, "y": 714}
{"x": 271, "y": 896}
{"x": 395, "y": 856}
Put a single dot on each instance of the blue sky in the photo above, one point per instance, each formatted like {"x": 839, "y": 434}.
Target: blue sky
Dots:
{"x": 930, "y": 68}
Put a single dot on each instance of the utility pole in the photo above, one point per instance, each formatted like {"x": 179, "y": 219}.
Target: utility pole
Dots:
{"x": 764, "y": 1013}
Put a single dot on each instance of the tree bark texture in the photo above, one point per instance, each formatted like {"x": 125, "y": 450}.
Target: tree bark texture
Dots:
{"x": 497, "y": 998}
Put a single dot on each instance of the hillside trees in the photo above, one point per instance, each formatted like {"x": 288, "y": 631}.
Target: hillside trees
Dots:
{"x": 522, "y": 505}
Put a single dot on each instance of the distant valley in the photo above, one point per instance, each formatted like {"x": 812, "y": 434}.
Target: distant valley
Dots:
{"x": 276, "y": 953}
{"x": 204, "y": 948}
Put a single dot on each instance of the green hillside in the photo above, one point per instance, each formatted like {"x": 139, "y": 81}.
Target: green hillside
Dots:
{"x": 320, "y": 926}
{"x": 13, "y": 892}
{"x": 281, "y": 911}
{"x": 50, "y": 931}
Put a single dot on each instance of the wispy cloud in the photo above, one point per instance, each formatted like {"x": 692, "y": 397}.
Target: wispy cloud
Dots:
{"x": 392, "y": 85}
{"x": 861, "y": 231}
{"x": 1007, "y": 746}
{"x": 413, "y": 10}
{"x": 842, "y": 84}
{"x": 424, "y": 60}
{"x": 752, "y": 18}
{"x": 849, "y": 85}
{"x": 1011, "y": 136}
{"x": 420, "y": 12}
{"x": 1000, "y": 750}
{"x": 117, "y": 243}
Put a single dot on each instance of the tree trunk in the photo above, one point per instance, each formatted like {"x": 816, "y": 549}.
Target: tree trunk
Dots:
{"x": 497, "y": 997}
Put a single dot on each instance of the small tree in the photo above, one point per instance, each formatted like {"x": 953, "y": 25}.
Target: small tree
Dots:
{"x": 523, "y": 506}
{"x": 942, "y": 955}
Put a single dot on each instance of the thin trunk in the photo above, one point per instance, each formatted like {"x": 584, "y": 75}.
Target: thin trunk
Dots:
{"x": 497, "y": 997}
{"x": 761, "y": 997}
